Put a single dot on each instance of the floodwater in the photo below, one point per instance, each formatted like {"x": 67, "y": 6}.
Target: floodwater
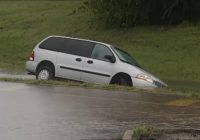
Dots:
{"x": 60, "y": 113}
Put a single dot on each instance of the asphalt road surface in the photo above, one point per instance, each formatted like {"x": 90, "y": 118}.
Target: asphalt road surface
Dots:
{"x": 59, "y": 113}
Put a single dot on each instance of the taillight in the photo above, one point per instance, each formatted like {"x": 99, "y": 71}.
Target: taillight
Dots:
{"x": 32, "y": 56}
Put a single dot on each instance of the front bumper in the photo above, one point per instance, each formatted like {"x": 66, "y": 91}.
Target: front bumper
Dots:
{"x": 159, "y": 84}
{"x": 139, "y": 83}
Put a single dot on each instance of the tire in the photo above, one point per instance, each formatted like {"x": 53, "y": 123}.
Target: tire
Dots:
{"x": 123, "y": 80}
{"x": 44, "y": 73}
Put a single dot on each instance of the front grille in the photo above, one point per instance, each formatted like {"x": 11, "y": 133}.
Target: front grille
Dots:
{"x": 158, "y": 84}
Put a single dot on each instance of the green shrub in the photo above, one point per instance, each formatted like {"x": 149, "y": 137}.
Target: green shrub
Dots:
{"x": 143, "y": 12}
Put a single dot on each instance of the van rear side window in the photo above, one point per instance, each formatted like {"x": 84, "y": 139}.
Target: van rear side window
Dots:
{"x": 53, "y": 44}
{"x": 69, "y": 46}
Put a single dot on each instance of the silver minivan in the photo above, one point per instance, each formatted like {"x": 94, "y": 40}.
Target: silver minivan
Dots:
{"x": 87, "y": 61}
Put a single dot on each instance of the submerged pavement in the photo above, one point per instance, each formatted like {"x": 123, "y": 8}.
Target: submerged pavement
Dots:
{"x": 16, "y": 76}
{"x": 60, "y": 113}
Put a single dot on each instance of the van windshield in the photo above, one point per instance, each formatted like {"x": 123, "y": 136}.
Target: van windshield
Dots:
{"x": 125, "y": 57}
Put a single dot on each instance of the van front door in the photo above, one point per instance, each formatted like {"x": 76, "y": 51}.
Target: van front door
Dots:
{"x": 98, "y": 68}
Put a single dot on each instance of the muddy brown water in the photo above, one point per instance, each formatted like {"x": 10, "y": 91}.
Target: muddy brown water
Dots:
{"x": 49, "y": 113}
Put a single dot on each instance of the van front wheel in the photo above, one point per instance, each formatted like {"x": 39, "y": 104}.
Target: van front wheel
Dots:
{"x": 44, "y": 73}
{"x": 122, "y": 79}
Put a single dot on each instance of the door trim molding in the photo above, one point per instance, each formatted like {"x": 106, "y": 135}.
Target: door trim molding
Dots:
{"x": 85, "y": 71}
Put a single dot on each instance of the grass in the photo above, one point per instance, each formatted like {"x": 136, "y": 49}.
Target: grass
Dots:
{"x": 61, "y": 82}
{"x": 23, "y": 24}
{"x": 170, "y": 52}
{"x": 190, "y": 95}
{"x": 145, "y": 131}
{"x": 149, "y": 132}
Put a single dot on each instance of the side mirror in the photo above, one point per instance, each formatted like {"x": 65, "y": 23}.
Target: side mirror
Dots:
{"x": 110, "y": 58}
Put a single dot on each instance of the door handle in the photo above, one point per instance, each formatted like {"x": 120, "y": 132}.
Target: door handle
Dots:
{"x": 78, "y": 59}
{"x": 90, "y": 62}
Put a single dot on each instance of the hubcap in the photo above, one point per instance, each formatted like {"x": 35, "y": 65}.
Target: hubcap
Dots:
{"x": 43, "y": 75}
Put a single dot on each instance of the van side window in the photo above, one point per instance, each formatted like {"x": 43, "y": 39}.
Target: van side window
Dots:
{"x": 52, "y": 43}
{"x": 69, "y": 46}
{"x": 78, "y": 47}
{"x": 100, "y": 51}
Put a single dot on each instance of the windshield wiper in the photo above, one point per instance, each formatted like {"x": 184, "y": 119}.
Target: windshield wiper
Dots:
{"x": 125, "y": 61}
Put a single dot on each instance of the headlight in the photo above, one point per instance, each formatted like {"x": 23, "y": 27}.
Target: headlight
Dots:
{"x": 144, "y": 77}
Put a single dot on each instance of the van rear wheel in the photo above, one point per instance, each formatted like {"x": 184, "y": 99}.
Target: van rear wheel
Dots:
{"x": 44, "y": 73}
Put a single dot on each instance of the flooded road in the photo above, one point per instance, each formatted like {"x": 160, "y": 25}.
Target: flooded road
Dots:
{"x": 59, "y": 113}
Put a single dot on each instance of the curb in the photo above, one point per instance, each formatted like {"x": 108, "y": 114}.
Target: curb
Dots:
{"x": 128, "y": 135}
{"x": 17, "y": 76}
